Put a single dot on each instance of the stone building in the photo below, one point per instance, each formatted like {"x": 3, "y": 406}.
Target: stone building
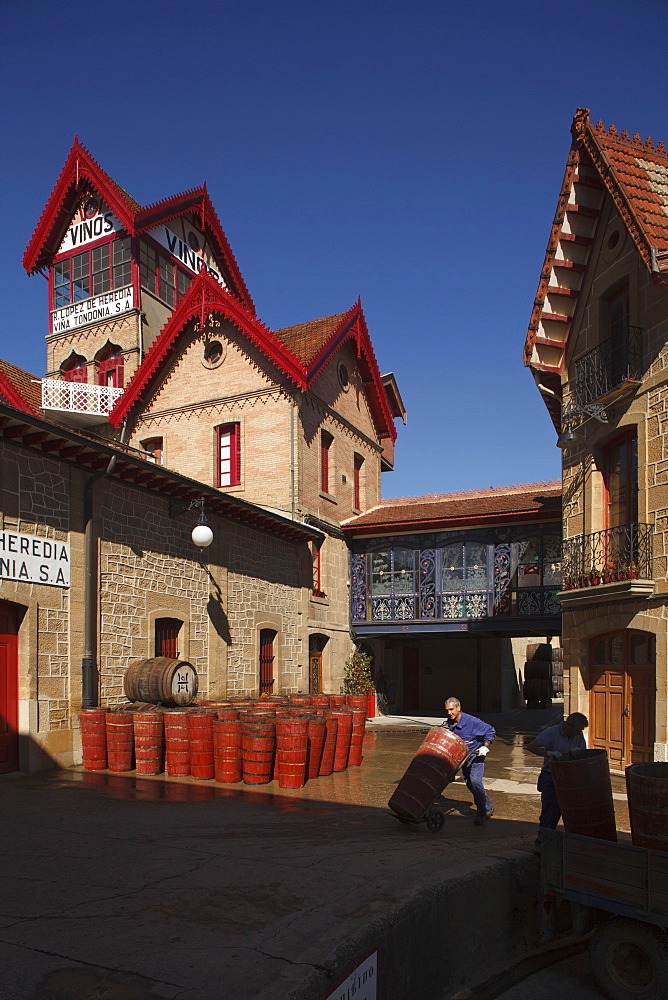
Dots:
{"x": 164, "y": 389}
{"x": 597, "y": 347}
{"x": 446, "y": 590}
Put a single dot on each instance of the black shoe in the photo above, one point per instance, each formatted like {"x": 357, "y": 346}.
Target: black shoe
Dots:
{"x": 490, "y": 813}
{"x": 479, "y": 819}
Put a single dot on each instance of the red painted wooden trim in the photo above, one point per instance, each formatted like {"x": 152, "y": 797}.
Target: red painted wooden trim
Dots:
{"x": 13, "y": 396}
{"x": 78, "y": 165}
{"x": 217, "y": 299}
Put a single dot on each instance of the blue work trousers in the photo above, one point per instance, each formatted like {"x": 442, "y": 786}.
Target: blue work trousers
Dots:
{"x": 473, "y": 772}
{"x": 550, "y": 811}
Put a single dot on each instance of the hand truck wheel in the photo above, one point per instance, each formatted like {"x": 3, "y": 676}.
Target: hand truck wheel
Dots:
{"x": 435, "y": 820}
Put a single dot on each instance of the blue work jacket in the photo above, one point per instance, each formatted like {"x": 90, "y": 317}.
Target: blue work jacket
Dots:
{"x": 473, "y": 731}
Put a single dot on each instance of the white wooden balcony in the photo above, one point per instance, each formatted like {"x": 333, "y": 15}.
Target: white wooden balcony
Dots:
{"x": 83, "y": 403}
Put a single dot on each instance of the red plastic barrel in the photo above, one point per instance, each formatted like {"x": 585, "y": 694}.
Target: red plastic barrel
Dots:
{"x": 343, "y": 736}
{"x": 357, "y": 736}
{"x": 434, "y": 766}
{"x": 584, "y": 792}
{"x": 149, "y": 741}
{"x": 331, "y": 729}
{"x": 93, "y": 738}
{"x": 317, "y": 731}
{"x": 227, "y": 750}
{"x": 200, "y": 740}
{"x": 120, "y": 741}
{"x": 647, "y": 790}
{"x": 177, "y": 743}
{"x": 291, "y": 751}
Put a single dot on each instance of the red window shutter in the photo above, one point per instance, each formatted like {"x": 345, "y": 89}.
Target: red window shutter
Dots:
{"x": 228, "y": 460}
{"x": 325, "y": 443}
{"x": 357, "y": 482}
{"x": 79, "y": 374}
{"x": 167, "y": 637}
{"x": 110, "y": 371}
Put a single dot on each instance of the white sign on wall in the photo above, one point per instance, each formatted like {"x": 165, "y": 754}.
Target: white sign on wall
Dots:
{"x": 185, "y": 253}
{"x": 88, "y": 230}
{"x": 360, "y": 984}
{"x": 34, "y": 560}
{"x": 90, "y": 310}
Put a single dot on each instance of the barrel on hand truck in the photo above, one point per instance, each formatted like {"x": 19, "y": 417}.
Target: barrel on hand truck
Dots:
{"x": 434, "y": 766}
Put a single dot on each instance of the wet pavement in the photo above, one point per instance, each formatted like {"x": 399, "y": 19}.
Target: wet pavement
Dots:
{"x": 127, "y": 888}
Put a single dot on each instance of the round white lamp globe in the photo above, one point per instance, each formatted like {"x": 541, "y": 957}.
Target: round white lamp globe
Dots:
{"x": 202, "y": 535}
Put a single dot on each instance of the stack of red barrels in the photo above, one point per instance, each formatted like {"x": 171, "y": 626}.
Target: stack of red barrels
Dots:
{"x": 290, "y": 739}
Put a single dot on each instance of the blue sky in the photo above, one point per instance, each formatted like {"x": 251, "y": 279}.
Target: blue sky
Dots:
{"x": 409, "y": 153}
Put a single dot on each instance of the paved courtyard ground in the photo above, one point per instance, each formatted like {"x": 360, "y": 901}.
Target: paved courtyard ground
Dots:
{"x": 126, "y": 888}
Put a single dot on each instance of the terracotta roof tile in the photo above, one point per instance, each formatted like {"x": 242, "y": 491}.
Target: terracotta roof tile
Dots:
{"x": 641, "y": 169}
{"x": 529, "y": 498}
{"x": 24, "y": 383}
{"x": 306, "y": 339}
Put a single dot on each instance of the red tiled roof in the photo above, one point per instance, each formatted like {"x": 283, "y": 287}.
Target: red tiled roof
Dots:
{"x": 306, "y": 339}
{"x": 634, "y": 174}
{"x": 15, "y": 382}
{"x": 640, "y": 170}
{"x": 414, "y": 512}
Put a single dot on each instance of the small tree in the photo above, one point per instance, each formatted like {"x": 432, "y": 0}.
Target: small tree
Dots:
{"x": 357, "y": 677}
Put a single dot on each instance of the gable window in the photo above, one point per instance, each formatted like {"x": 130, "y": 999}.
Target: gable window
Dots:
{"x": 357, "y": 481}
{"x": 228, "y": 452}
{"x": 326, "y": 441}
{"x": 153, "y": 447}
{"x": 92, "y": 272}
{"x": 160, "y": 275}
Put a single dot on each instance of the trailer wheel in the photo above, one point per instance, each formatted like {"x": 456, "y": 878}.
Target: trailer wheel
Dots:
{"x": 630, "y": 960}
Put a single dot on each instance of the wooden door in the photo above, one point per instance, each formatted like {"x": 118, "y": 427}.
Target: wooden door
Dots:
{"x": 267, "y": 637}
{"x": 9, "y": 692}
{"x": 411, "y": 679}
{"x": 315, "y": 671}
{"x": 622, "y": 696}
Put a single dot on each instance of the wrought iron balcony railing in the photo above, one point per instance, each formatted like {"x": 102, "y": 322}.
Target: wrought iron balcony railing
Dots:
{"x": 78, "y": 397}
{"x": 602, "y": 369}
{"x": 614, "y": 555}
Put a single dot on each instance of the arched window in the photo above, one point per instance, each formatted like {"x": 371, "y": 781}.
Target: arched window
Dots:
{"x": 74, "y": 369}
{"x": 110, "y": 366}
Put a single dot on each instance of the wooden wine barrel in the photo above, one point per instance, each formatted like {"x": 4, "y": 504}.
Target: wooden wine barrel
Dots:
{"x": 161, "y": 680}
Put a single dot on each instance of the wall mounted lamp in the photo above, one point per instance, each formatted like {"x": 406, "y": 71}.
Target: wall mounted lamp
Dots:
{"x": 202, "y": 535}
{"x": 573, "y": 419}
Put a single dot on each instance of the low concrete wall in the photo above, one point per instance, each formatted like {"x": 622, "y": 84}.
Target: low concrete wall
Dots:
{"x": 450, "y": 936}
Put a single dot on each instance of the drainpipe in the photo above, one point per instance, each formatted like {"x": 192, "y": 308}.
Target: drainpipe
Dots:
{"x": 293, "y": 511}
{"x": 89, "y": 687}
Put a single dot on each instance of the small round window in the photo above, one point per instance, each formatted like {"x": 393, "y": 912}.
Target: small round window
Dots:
{"x": 214, "y": 353}
{"x": 613, "y": 239}
{"x": 193, "y": 242}
{"x": 344, "y": 378}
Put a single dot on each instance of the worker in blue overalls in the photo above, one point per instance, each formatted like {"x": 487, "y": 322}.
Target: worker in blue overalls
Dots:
{"x": 478, "y": 736}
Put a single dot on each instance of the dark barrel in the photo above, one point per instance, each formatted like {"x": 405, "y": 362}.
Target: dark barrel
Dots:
{"x": 584, "y": 792}
{"x": 161, "y": 679}
{"x": 647, "y": 790}
{"x": 434, "y": 766}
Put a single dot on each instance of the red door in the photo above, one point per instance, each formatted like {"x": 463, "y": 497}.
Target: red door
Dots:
{"x": 167, "y": 637}
{"x": 411, "y": 679}
{"x": 9, "y": 693}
